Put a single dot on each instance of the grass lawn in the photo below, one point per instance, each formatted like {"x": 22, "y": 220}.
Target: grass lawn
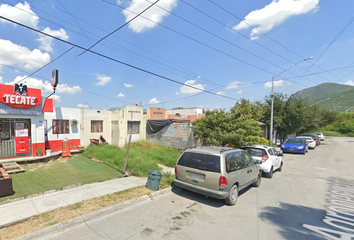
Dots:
{"x": 40, "y": 177}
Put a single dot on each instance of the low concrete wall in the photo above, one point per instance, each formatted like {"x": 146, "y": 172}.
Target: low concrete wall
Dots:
{"x": 178, "y": 135}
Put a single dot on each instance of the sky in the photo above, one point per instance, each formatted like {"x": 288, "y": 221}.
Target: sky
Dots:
{"x": 174, "y": 53}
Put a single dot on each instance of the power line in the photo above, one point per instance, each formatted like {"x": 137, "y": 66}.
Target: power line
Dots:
{"x": 204, "y": 43}
{"x": 42, "y": 66}
{"x": 115, "y": 60}
{"x": 195, "y": 40}
{"x": 332, "y": 42}
{"x": 274, "y": 40}
{"x": 90, "y": 43}
{"x": 121, "y": 26}
{"x": 128, "y": 52}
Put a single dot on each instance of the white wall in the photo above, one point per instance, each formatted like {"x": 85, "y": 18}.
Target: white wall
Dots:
{"x": 186, "y": 111}
{"x": 63, "y": 114}
{"x": 88, "y": 115}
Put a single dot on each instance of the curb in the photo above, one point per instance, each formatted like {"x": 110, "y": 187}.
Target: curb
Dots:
{"x": 40, "y": 234}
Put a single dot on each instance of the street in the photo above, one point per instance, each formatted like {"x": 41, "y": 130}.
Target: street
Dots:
{"x": 291, "y": 205}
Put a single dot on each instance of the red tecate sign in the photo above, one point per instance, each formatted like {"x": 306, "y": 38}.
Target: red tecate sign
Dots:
{"x": 20, "y": 96}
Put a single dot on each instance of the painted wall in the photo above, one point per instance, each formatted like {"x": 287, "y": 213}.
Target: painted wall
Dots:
{"x": 178, "y": 135}
{"x": 88, "y": 115}
{"x": 54, "y": 141}
{"x": 129, "y": 113}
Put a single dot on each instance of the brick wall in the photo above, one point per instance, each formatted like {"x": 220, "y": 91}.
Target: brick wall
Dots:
{"x": 178, "y": 135}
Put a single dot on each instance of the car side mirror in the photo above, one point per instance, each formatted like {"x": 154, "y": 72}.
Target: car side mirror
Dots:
{"x": 280, "y": 154}
{"x": 258, "y": 162}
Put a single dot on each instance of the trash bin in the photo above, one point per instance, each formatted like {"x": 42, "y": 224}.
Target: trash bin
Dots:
{"x": 154, "y": 179}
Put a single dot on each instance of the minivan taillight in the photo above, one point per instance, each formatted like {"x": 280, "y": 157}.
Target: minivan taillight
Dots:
{"x": 176, "y": 170}
{"x": 223, "y": 181}
{"x": 264, "y": 158}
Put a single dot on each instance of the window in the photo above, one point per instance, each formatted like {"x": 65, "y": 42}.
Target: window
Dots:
{"x": 96, "y": 126}
{"x": 133, "y": 127}
{"x": 200, "y": 161}
{"x": 235, "y": 161}
{"x": 272, "y": 151}
{"x": 249, "y": 159}
{"x": 60, "y": 126}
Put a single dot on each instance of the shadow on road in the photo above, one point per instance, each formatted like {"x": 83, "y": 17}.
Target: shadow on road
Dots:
{"x": 290, "y": 218}
{"x": 213, "y": 202}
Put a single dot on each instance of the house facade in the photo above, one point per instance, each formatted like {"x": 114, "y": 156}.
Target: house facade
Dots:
{"x": 28, "y": 122}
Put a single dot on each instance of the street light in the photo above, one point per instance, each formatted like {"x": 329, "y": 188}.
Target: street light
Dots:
{"x": 272, "y": 96}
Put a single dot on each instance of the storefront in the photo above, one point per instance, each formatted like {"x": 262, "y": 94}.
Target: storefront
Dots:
{"x": 22, "y": 120}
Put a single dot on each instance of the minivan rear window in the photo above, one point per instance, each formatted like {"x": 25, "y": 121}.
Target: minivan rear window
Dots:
{"x": 200, "y": 161}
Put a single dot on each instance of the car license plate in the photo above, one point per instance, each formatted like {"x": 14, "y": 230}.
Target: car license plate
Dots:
{"x": 196, "y": 176}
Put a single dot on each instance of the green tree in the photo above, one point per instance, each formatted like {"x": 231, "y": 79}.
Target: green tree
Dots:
{"x": 236, "y": 128}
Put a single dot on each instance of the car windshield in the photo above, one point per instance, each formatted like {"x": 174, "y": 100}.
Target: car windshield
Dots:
{"x": 200, "y": 161}
{"x": 255, "y": 152}
{"x": 294, "y": 141}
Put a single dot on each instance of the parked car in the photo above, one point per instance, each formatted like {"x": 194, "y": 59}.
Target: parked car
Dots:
{"x": 217, "y": 172}
{"x": 310, "y": 141}
{"x": 314, "y": 136}
{"x": 294, "y": 145}
{"x": 321, "y": 136}
{"x": 271, "y": 159}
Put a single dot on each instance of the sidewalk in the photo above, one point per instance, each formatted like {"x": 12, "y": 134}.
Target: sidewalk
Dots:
{"x": 24, "y": 209}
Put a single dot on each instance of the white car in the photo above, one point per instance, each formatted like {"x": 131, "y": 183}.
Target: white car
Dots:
{"x": 320, "y": 136}
{"x": 271, "y": 159}
{"x": 310, "y": 142}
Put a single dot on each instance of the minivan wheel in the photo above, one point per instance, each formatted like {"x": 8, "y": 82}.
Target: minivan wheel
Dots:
{"x": 257, "y": 182}
{"x": 232, "y": 198}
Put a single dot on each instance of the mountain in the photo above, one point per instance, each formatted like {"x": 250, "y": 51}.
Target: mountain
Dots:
{"x": 321, "y": 91}
{"x": 333, "y": 96}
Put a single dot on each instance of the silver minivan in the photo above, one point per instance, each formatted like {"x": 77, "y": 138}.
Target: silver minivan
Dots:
{"x": 217, "y": 172}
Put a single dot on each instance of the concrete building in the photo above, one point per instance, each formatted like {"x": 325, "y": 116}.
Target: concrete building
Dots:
{"x": 29, "y": 122}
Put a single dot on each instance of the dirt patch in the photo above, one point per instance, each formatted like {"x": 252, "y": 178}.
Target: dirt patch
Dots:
{"x": 65, "y": 213}
{"x": 34, "y": 166}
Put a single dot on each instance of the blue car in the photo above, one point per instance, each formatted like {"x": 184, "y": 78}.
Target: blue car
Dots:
{"x": 294, "y": 145}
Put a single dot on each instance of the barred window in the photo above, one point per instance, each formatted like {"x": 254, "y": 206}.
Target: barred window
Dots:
{"x": 96, "y": 126}
{"x": 60, "y": 126}
{"x": 133, "y": 127}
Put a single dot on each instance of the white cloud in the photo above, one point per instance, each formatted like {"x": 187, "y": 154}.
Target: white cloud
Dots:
{"x": 102, "y": 79}
{"x": 25, "y": 16}
{"x": 46, "y": 86}
{"x": 154, "y": 13}
{"x": 22, "y": 13}
{"x": 177, "y": 93}
{"x": 1, "y": 81}
{"x": 232, "y": 85}
{"x": 188, "y": 90}
{"x": 121, "y": 95}
{"x": 16, "y": 55}
{"x": 56, "y": 98}
{"x": 276, "y": 84}
{"x": 128, "y": 85}
{"x": 236, "y": 84}
{"x": 82, "y": 105}
{"x": 47, "y": 42}
{"x": 154, "y": 101}
{"x": 350, "y": 83}
{"x": 239, "y": 92}
{"x": 274, "y": 14}
{"x": 220, "y": 93}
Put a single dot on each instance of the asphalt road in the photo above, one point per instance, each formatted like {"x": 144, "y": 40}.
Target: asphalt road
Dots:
{"x": 312, "y": 196}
